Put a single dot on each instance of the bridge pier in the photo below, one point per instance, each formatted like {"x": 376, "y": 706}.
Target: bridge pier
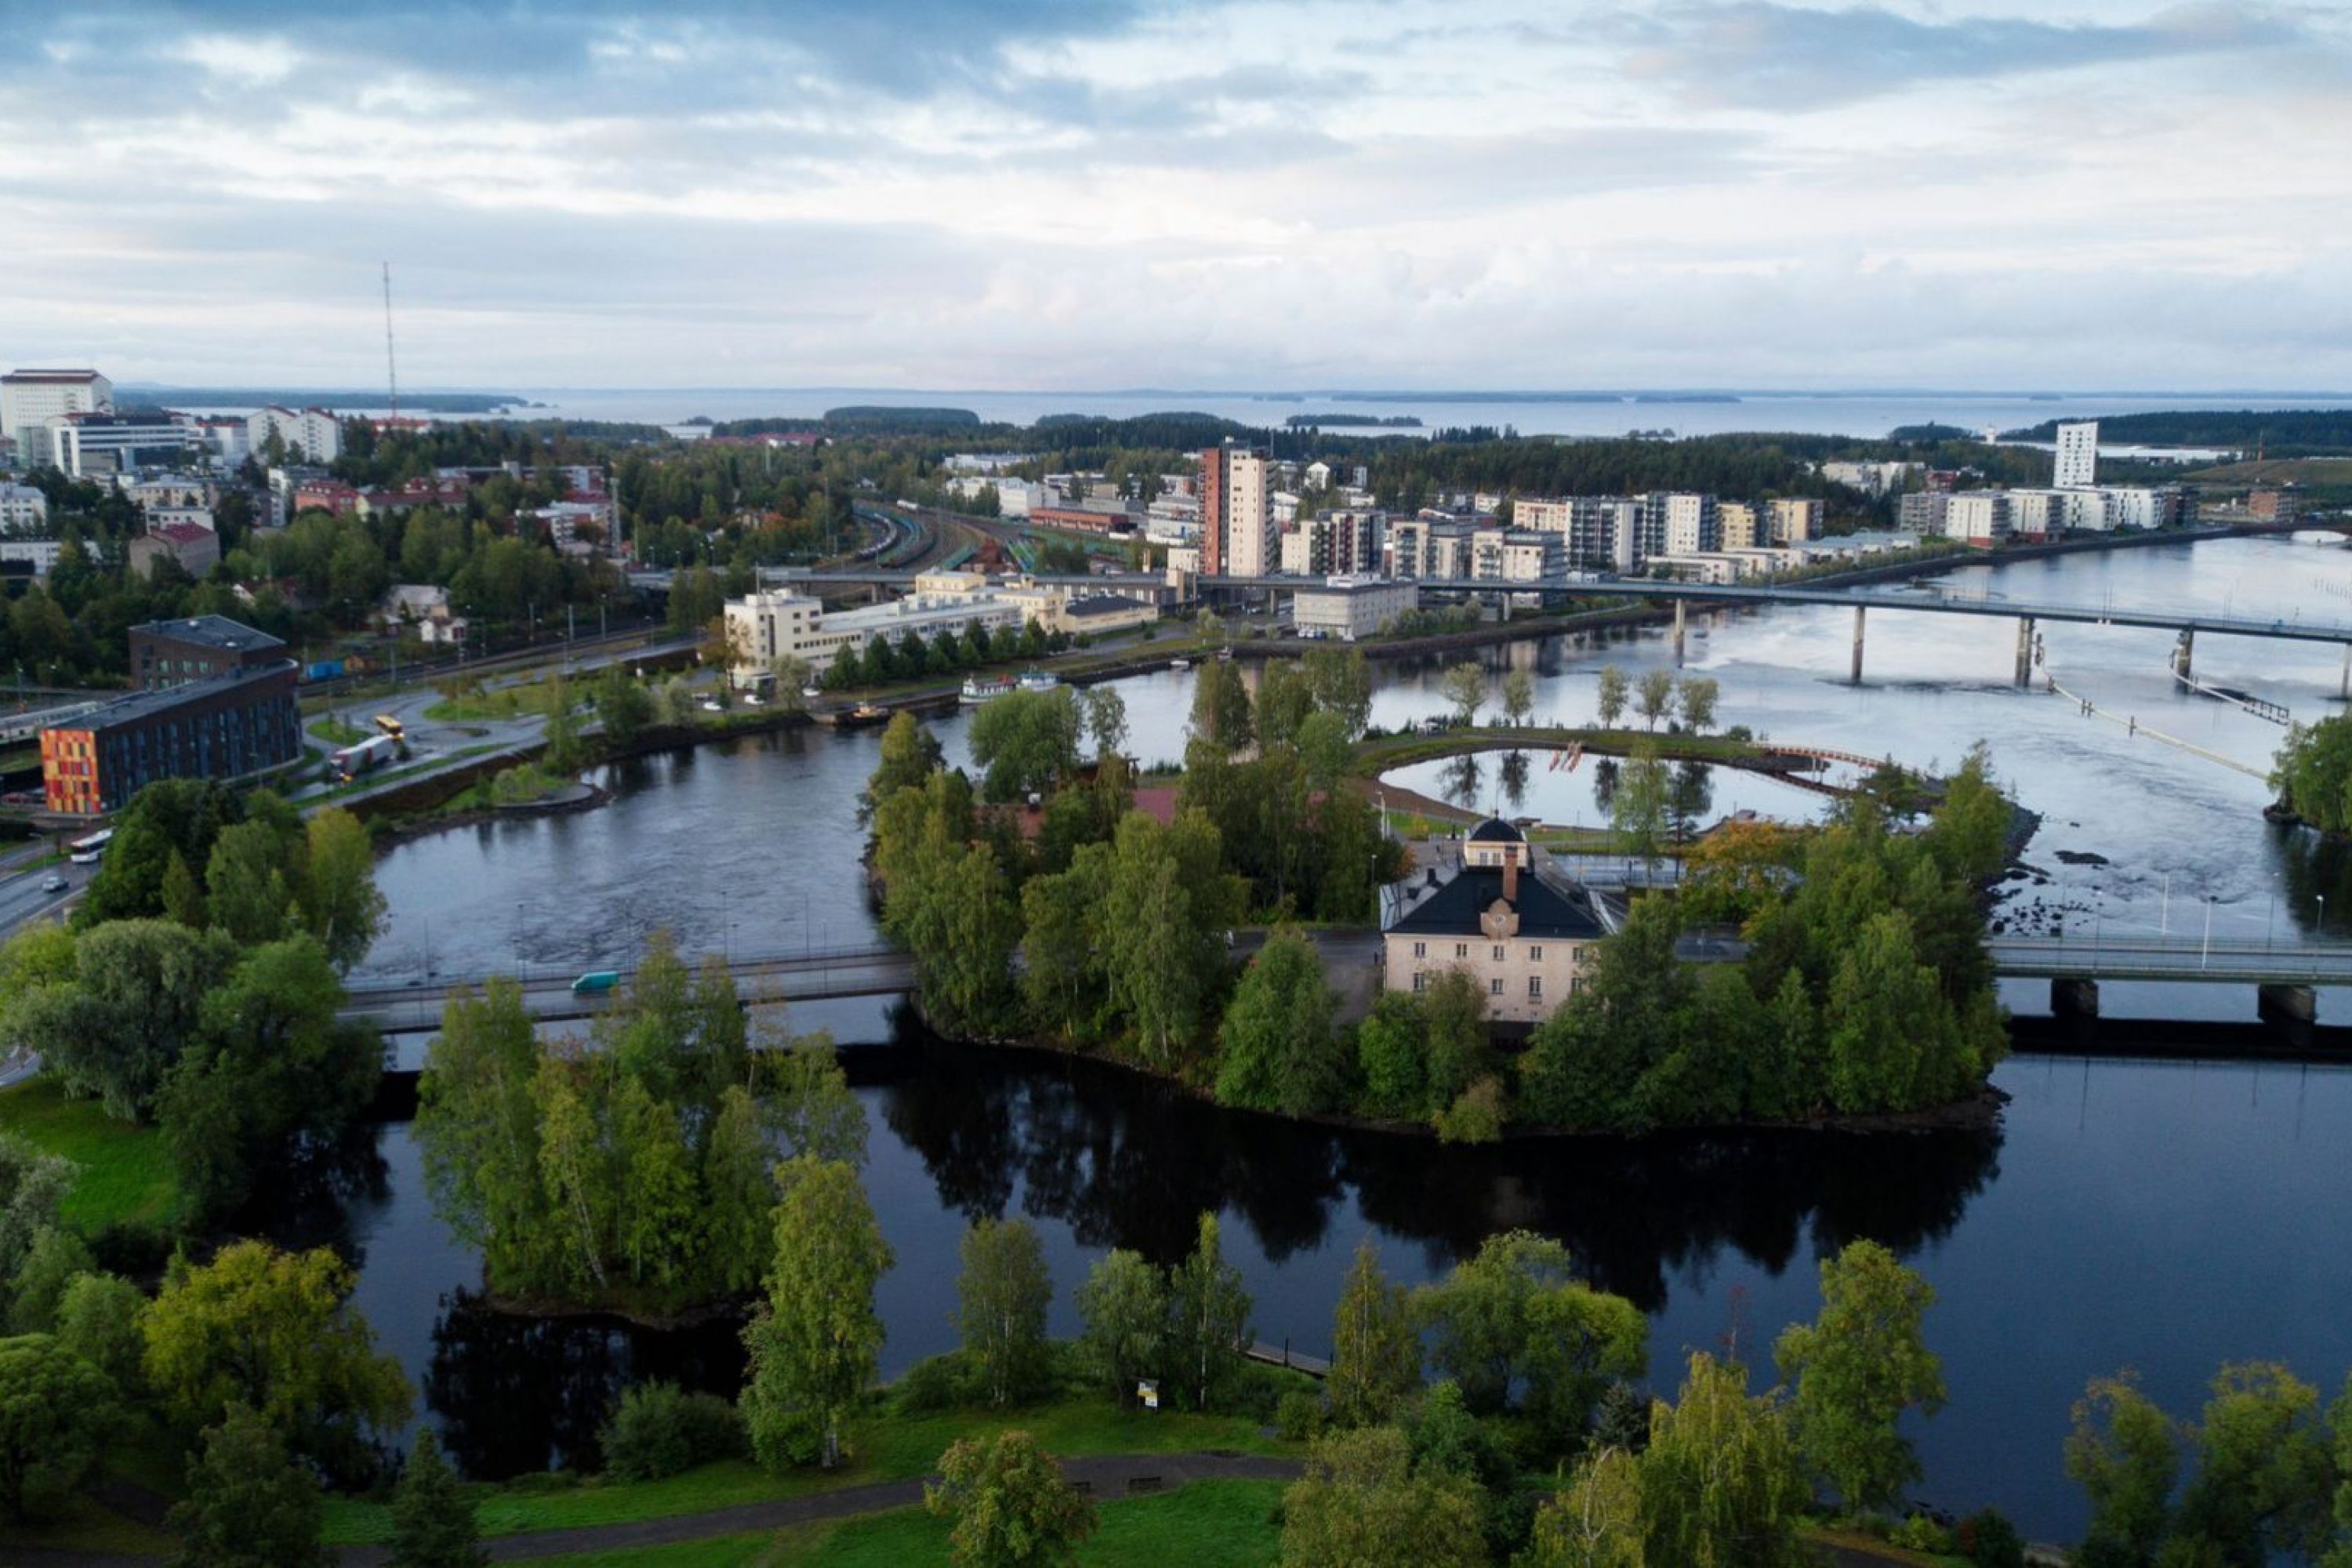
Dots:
{"x": 2287, "y": 1004}
{"x": 2184, "y": 655}
{"x": 2025, "y": 650}
{"x": 1682, "y": 612}
{"x": 2074, "y": 997}
{"x": 2344, "y": 683}
{"x": 1857, "y": 645}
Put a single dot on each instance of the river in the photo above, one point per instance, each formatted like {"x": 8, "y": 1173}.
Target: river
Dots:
{"x": 2160, "y": 1216}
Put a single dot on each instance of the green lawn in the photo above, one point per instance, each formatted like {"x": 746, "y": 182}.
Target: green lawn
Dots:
{"x": 86, "y": 1527}
{"x": 1209, "y": 1524}
{"x": 126, "y": 1176}
{"x": 335, "y": 731}
{"x": 884, "y": 1446}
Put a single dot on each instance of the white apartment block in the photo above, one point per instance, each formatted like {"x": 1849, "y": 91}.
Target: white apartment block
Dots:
{"x": 23, "y": 510}
{"x": 1795, "y": 519}
{"x": 2078, "y": 457}
{"x": 1977, "y": 517}
{"x": 1352, "y": 607}
{"x": 1691, "y": 524}
{"x": 2039, "y": 513}
{"x": 41, "y": 552}
{"x": 314, "y": 432}
{"x": 1869, "y": 479}
{"x": 777, "y": 624}
{"x": 31, "y": 399}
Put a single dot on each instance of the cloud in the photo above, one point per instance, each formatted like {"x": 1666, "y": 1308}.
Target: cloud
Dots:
{"x": 1759, "y": 53}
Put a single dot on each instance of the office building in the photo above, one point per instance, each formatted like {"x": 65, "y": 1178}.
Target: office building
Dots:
{"x": 223, "y": 727}
{"x": 198, "y": 647}
{"x": 1347, "y": 608}
{"x": 31, "y": 399}
{"x": 23, "y": 510}
{"x": 2078, "y": 457}
{"x": 101, "y": 445}
{"x": 1236, "y": 512}
{"x": 308, "y": 435}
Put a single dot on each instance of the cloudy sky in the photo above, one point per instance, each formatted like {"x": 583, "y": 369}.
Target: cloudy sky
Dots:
{"x": 1025, "y": 194}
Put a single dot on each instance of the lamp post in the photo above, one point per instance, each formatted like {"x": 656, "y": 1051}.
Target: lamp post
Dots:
{"x": 2205, "y": 954}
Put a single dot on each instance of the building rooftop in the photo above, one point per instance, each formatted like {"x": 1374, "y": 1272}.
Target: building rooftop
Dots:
{"x": 64, "y": 377}
{"x": 1495, "y": 830}
{"x": 1455, "y": 909}
{"x": 212, "y": 631}
{"x": 1101, "y": 605}
{"x": 144, "y": 705}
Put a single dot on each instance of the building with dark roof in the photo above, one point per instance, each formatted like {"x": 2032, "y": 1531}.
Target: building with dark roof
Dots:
{"x": 1529, "y": 938}
{"x": 196, "y": 647}
{"x": 226, "y": 726}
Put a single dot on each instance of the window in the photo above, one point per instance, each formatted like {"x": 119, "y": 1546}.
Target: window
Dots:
{"x": 1535, "y": 987}
{"x": 1420, "y": 980}
{"x": 1534, "y": 953}
{"x": 1498, "y": 953}
{"x": 1495, "y": 986}
{"x": 1421, "y": 950}
{"x": 1461, "y": 949}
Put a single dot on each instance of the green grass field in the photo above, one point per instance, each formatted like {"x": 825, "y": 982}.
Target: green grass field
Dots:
{"x": 126, "y": 1177}
{"x": 884, "y": 1446}
{"x": 1209, "y": 1524}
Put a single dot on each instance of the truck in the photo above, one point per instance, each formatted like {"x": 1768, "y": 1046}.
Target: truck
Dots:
{"x": 372, "y": 753}
{"x": 596, "y": 980}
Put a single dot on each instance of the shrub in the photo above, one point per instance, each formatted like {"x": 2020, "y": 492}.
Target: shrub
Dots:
{"x": 660, "y": 1429}
{"x": 1475, "y": 1116}
{"x": 940, "y": 1382}
{"x": 1988, "y": 1539}
{"x": 1920, "y": 1533}
{"x": 1298, "y": 1416}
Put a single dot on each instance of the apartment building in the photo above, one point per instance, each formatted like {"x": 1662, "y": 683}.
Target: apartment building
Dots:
{"x": 1737, "y": 526}
{"x": 311, "y": 434}
{"x": 31, "y": 400}
{"x": 1236, "y": 512}
{"x": 1979, "y": 518}
{"x": 23, "y": 510}
{"x": 223, "y": 726}
{"x": 1680, "y": 523}
{"x": 1795, "y": 519}
{"x": 2077, "y": 466}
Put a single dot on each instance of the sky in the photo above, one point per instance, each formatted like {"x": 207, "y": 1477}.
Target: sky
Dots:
{"x": 1287, "y": 194}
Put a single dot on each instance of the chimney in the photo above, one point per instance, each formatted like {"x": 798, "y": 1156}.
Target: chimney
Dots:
{"x": 1510, "y": 879}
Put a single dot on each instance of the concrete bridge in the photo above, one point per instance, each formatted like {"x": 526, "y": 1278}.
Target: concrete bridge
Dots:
{"x": 2284, "y": 978}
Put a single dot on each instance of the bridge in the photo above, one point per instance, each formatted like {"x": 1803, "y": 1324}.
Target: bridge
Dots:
{"x": 1927, "y": 598}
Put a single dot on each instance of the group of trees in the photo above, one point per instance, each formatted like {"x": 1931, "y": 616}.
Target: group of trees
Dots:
{"x": 911, "y": 656}
{"x": 2312, "y": 774}
{"x": 1657, "y": 697}
{"x": 634, "y": 1168}
{"x": 1865, "y": 988}
{"x": 209, "y": 1009}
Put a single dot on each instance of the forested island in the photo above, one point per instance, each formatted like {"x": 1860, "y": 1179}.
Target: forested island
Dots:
{"x": 1090, "y": 925}
{"x": 2280, "y": 432}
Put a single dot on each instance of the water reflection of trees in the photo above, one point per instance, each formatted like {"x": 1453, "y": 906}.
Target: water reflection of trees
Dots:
{"x": 1464, "y": 779}
{"x": 516, "y": 1394}
{"x": 1690, "y": 795}
{"x": 1604, "y": 783}
{"x": 1515, "y": 779}
{"x": 1126, "y": 1161}
{"x": 2311, "y": 867}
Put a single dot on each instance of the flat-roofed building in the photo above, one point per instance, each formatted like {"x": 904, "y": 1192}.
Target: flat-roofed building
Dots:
{"x": 198, "y": 647}
{"x": 2077, "y": 466}
{"x": 1794, "y": 520}
{"x": 31, "y": 400}
{"x": 24, "y": 510}
{"x": 1236, "y": 512}
{"x": 222, "y": 727}
{"x": 1979, "y": 518}
{"x": 1737, "y": 526}
{"x": 1348, "y": 608}
{"x": 314, "y": 433}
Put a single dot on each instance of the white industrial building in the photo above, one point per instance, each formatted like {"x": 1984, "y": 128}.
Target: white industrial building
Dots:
{"x": 30, "y": 400}
{"x": 1352, "y": 607}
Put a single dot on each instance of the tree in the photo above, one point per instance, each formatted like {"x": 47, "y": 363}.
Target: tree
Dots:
{"x": 274, "y": 1332}
{"x": 57, "y": 1412}
{"x": 1464, "y": 686}
{"x": 1596, "y": 1523}
{"x": 1376, "y": 1355}
{"x": 250, "y": 1505}
{"x": 1276, "y": 1049}
{"x": 815, "y": 1345}
{"x": 433, "y": 1525}
{"x": 1027, "y": 741}
{"x": 478, "y": 1123}
{"x": 1392, "y": 1053}
{"x": 1342, "y": 682}
{"x": 1654, "y": 698}
{"x": 1363, "y": 1504}
{"x": 2265, "y": 1483}
{"x": 1011, "y": 1504}
{"x": 341, "y": 903}
{"x": 808, "y": 1104}
{"x": 1637, "y": 812}
{"x": 1611, "y": 700}
{"x": 2125, "y": 1456}
{"x": 130, "y": 1011}
{"x": 1221, "y": 706}
{"x": 1123, "y": 1311}
{"x": 32, "y": 1186}
{"x": 1208, "y": 1319}
{"x": 1001, "y": 1301}
{"x": 561, "y": 735}
{"x": 1514, "y": 1320}
{"x": 623, "y": 707}
{"x": 1106, "y": 720}
{"x": 1857, "y": 1370}
{"x": 1518, "y": 697}
{"x": 56, "y": 1257}
{"x": 1720, "y": 1486}
{"x": 248, "y": 891}
{"x": 1697, "y": 694}
{"x": 97, "y": 1319}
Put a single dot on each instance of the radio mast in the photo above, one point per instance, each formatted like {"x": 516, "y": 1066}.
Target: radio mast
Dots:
{"x": 390, "y": 366}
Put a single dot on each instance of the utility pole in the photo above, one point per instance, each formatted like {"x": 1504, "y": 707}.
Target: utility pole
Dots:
{"x": 390, "y": 366}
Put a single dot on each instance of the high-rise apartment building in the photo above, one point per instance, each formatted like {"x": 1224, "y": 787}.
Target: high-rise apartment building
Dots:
{"x": 2078, "y": 455}
{"x": 314, "y": 432}
{"x": 1795, "y": 519}
{"x": 1236, "y": 491}
{"x": 29, "y": 399}
{"x": 1737, "y": 526}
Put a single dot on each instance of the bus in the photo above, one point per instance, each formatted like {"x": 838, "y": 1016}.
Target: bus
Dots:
{"x": 86, "y": 851}
{"x": 389, "y": 725}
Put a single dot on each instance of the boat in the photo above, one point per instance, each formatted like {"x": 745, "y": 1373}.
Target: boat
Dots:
{"x": 864, "y": 716}
{"x": 1180, "y": 664}
{"x": 981, "y": 688}
{"x": 1039, "y": 680}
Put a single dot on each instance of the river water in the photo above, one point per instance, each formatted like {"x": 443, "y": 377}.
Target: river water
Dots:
{"x": 2164, "y": 1217}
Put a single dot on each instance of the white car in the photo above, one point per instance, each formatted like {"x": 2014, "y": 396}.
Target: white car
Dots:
{"x": 712, "y": 705}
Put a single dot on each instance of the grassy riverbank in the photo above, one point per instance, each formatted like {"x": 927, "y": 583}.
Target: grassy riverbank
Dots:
{"x": 886, "y": 1443}
{"x": 126, "y": 1176}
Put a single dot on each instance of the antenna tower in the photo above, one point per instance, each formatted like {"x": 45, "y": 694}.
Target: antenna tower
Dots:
{"x": 390, "y": 365}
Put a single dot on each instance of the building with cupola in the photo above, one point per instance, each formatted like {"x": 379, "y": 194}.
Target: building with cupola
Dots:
{"x": 1495, "y": 908}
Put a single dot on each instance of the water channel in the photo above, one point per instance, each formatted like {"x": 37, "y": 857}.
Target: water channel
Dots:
{"x": 2164, "y": 1217}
